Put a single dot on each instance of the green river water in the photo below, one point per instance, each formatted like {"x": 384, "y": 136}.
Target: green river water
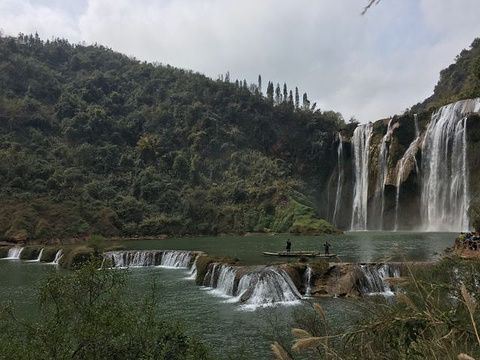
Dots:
{"x": 225, "y": 326}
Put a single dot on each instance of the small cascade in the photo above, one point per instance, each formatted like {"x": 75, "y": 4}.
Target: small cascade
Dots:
{"x": 371, "y": 278}
{"x": 382, "y": 169}
{"x": 417, "y": 129}
{"x": 140, "y": 258}
{"x": 360, "y": 152}
{"x": 58, "y": 256}
{"x": 39, "y": 257}
{"x": 307, "y": 281}
{"x": 193, "y": 269}
{"x": 445, "y": 194}
{"x": 338, "y": 196}
{"x": 176, "y": 259}
{"x": 14, "y": 253}
{"x": 259, "y": 286}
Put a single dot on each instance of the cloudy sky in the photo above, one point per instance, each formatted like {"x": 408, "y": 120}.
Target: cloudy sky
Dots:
{"x": 370, "y": 66}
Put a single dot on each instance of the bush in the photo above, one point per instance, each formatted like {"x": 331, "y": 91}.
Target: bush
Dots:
{"x": 84, "y": 316}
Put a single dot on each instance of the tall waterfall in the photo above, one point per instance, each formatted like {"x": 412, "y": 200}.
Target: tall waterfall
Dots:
{"x": 258, "y": 286}
{"x": 371, "y": 278}
{"x": 338, "y": 196}
{"x": 14, "y": 253}
{"x": 382, "y": 169}
{"x": 445, "y": 194}
{"x": 405, "y": 165}
{"x": 361, "y": 151}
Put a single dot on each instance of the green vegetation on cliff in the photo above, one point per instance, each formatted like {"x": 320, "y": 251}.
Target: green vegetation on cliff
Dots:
{"x": 459, "y": 81}
{"x": 92, "y": 141}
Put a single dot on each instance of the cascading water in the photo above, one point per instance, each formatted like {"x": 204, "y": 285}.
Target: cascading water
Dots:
{"x": 307, "y": 280}
{"x": 193, "y": 270}
{"x": 144, "y": 258}
{"x": 260, "y": 286}
{"x": 417, "y": 129}
{"x": 406, "y": 164}
{"x": 371, "y": 278}
{"x": 382, "y": 169}
{"x": 445, "y": 195}
{"x": 176, "y": 259}
{"x": 141, "y": 258}
{"x": 58, "y": 256}
{"x": 14, "y": 253}
{"x": 361, "y": 151}
{"x": 338, "y": 195}
{"x": 39, "y": 257}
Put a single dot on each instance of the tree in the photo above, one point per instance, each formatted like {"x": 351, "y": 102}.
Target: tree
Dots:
{"x": 148, "y": 148}
{"x": 290, "y": 98}
{"x": 270, "y": 92}
{"x": 285, "y": 92}
{"x": 84, "y": 315}
{"x": 297, "y": 98}
{"x": 278, "y": 94}
{"x": 260, "y": 84}
{"x": 306, "y": 102}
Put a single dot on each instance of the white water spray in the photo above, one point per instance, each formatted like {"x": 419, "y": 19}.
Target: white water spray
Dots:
{"x": 445, "y": 194}
{"x": 361, "y": 151}
{"x": 14, "y": 253}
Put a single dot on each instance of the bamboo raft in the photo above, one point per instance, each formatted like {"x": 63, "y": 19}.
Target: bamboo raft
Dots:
{"x": 299, "y": 254}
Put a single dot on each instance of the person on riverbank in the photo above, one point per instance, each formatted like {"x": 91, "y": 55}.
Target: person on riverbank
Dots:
{"x": 327, "y": 248}
{"x": 289, "y": 245}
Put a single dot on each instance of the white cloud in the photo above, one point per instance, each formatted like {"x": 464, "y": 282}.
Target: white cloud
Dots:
{"x": 371, "y": 66}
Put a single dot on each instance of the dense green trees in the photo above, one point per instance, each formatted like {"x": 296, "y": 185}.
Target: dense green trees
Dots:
{"x": 86, "y": 131}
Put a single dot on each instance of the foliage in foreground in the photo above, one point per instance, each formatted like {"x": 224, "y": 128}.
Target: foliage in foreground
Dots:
{"x": 84, "y": 316}
{"x": 435, "y": 316}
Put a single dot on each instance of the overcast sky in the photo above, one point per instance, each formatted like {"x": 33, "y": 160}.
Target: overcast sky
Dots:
{"x": 370, "y": 66}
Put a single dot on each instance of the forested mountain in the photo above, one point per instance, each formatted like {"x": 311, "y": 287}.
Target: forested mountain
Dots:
{"x": 459, "y": 81}
{"x": 92, "y": 141}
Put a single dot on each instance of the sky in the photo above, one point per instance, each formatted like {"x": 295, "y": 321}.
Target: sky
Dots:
{"x": 369, "y": 67}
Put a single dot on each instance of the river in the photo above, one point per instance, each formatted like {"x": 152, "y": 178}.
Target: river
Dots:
{"x": 225, "y": 326}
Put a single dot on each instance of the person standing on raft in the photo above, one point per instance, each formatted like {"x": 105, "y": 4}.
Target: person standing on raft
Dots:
{"x": 327, "y": 248}
{"x": 289, "y": 245}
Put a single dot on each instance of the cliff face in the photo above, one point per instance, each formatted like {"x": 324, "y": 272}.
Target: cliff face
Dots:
{"x": 421, "y": 172}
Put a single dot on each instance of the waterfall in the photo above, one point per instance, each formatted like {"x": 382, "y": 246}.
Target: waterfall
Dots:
{"x": 259, "y": 286}
{"x": 370, "y": 278}
{"x": 39, "y": 257}
{"x": 144, "y": 258}
{"x": 406, "y": 164}
{"x": 361, "y": 151}
{"x": 445, "y": 195}
{"x": 58, "y": 256}
{"x": 382, "y": 169}
{"x": 193, "y": 270}
{"x": 307, "y": 280}
{"x": 417, "y": 129}
{"x": 338, "y": 195}
{"x": 176, "y": 259}
{"x": 140, "y": 258}
{"x": 14, "y": 253}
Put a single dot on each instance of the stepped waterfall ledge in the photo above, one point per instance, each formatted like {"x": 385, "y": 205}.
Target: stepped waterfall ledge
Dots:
{"x": 445, "y": 191}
